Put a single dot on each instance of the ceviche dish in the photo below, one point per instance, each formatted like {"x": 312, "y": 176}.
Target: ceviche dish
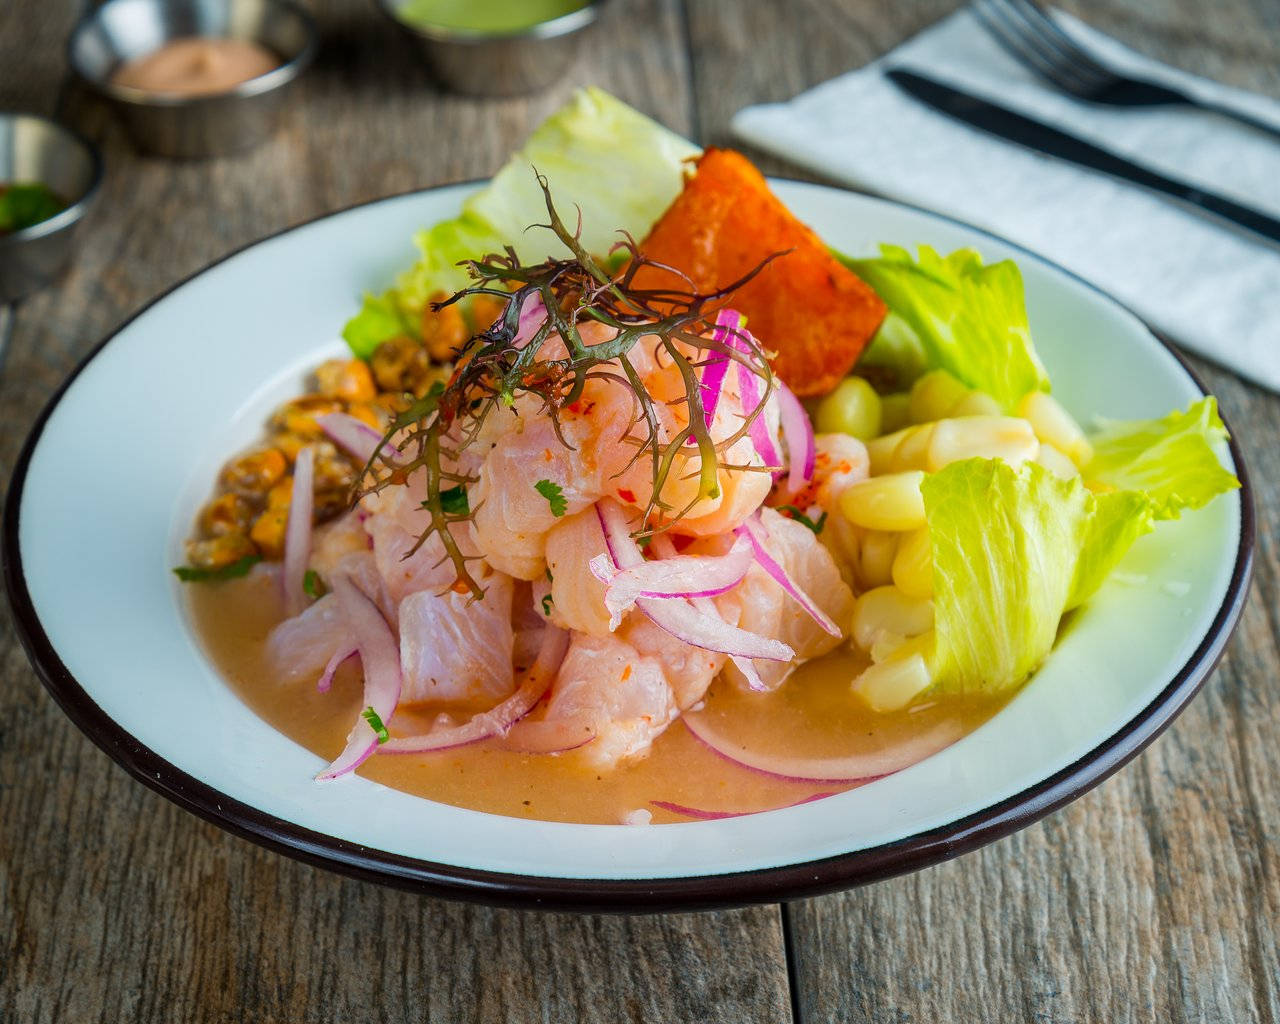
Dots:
{"x": 633, "y": 502}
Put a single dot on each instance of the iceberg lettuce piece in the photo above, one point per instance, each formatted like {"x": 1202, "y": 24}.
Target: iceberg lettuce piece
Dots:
{"x": 620, "y": 168}
{"x": 968, "y": 318}
{"x": 1171, "y": 460}
{"x": 1012, "y": 550}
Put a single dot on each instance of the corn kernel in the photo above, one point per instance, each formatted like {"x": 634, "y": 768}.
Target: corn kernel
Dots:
{"x": 977, "y": 403}
{"x": 913, "y": 564}
{"x": 890, "y": 502}
{"x": 895, "y": 411}
{"x": 1056, "y": 463}
{"x": 987, "y": 437}
{"x": 885, "y": 645}
{"x": 934, "y": 395}
{"x": 887, "y": 610}
{"x": 893, "y": 684}
{"x": 880, "y": 450}
{"x": 1054, "y": 425}
{"x": 268, "y": 531}
{"x": 875, "y": 558}
{"x": 348, "y": 379}
{"x": 852, "y": 408}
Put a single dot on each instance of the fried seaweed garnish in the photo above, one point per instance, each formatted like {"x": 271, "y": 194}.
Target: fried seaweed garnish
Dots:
{"x": 504, "y": 362}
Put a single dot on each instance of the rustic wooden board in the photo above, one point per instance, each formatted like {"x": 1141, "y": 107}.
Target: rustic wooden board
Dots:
{"x": 1157, "y": 896}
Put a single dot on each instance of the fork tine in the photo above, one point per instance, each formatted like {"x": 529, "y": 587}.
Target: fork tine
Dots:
{"x": 1051, "y": 35}
{"x": 1022, "y": 46}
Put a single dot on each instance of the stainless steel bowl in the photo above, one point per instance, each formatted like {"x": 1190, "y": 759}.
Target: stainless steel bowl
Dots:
{"x": 35, "y": 149}
{"x": 499, "y": 64}
{"x": 193, "y": 126}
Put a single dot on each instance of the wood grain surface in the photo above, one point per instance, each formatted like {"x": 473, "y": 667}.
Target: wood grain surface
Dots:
{"x": 1155, "y": 897}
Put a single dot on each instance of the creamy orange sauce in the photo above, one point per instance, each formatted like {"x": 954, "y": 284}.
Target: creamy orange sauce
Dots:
{"x": 196, "y": 66}
{"x": 813, "y": 715}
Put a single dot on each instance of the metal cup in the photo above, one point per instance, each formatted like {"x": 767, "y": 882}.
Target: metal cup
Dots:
{"x": 193, "y": 126}
{"x": 499, "y": 64}
{"x": 35, "y": 149}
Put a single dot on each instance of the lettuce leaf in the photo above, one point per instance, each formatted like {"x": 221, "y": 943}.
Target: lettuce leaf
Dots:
{"x": 1171, "y": 459}
{"x": 1014, "y": 549}
{"x": 968, "y": 318}
{"x": 619, "y": 167}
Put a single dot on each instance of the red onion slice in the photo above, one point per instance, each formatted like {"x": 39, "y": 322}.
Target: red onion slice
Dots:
{"x": 678, "y": 617}
{"x": 673, "y": 576}
{"x": 864, "y": 767}
{"x": 702, "y": 815}
{"x": 380, "y": 656}
{"x": 497, "y": 720}
{"x": 352, "y": 435}
{"x": 339, "y": 656}
{"x": 297, "y": 534}
{"x": 728, "y": 323}
{"x": 754, "y": 530}
{"x": 797, "y": 433}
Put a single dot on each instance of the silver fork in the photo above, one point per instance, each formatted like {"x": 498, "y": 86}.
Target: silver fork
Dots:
{"x": 1031, "y": 36}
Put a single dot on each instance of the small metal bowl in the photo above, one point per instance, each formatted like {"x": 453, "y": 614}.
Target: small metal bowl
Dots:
{"x": 499, "y": 64}
{"x": 35, "y": 149}
{"x": 193, "y": 126}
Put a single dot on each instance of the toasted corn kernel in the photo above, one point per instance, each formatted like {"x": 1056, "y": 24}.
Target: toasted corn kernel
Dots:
{"x": 220, "y": 551}
{"x": 256, "y": 472}
{"x": 268, "y": 531}
{"x": 348, "y": 379}
{"x": 227, "y": 513}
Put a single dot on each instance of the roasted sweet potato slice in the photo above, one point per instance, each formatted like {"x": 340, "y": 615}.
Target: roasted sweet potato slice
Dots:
{"x": 806, "y": 306}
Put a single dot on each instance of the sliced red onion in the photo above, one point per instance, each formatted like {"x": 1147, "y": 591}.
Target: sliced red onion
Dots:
{"x": 353, "y": 436}
{"x": 497, "y": 720}
{"x": 674, "y": 576}
{"x": 701, "y": 815}
{"x": 664, "y": 548}
{"x": 677, "y": 617}
{"x": 344, "y": 652}
{"x": 548, "y": 737}
{"x": 380, "y": 657}
{"x": 754, "y": 530}
{"x": 728, "y": 323}
{"x": 797, "y": 434}
{"x": 850, "y": 768}
{"x": 297, "y": 534}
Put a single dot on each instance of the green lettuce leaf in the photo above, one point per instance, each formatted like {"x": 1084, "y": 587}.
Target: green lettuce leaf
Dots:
{"x": 1012, "y": 550}
{"x": 1171, "y": 460}
{"x": 968, "y": 318}
{"x": 621, "y": 169}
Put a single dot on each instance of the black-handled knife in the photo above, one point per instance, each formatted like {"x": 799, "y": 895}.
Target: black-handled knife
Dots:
{"x": 1006, "y": 124}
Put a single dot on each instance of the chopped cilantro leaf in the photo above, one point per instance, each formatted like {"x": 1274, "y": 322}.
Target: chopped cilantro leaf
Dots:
{"x": 546, "y": 606}
{"x": 195, "y": 574}
{"x": 803, "y": 519}
{"x": 375, "y": 723}
{"x": 313, "y": 585}
{"x": 454, "y": 501}
{"x": 554, "y": 495}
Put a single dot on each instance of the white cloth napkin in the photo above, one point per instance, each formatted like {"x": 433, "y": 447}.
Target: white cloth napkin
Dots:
{"x": 1211, "y": 288}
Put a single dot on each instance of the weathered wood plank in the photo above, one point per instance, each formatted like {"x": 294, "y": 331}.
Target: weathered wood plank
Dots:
{"x": 1157, "y": 896}
{"x": 115, "y": 905}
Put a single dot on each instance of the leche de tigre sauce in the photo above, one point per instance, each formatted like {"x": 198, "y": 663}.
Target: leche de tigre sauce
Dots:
{"x": 812, "y": 715}
{"x": 196, "y": 66}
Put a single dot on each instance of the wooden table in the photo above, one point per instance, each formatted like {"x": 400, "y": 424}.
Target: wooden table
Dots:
{"x": 1154, "y": 898}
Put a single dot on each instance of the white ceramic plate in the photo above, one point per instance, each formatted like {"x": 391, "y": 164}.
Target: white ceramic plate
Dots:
{"x": 118, "y": 464}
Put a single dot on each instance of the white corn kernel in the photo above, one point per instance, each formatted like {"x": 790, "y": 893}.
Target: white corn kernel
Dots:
{"x": 880, "y": 450}
{"x": 892, "y": 685}
{"x": 1056, "y": 463}
{"x": 887, "y": 610}
{"x": 934, "y": 395}
{"x": 913, "y": 450}
{"x": 852, "y": 408}
{"x": 913, "y": 564}
{"x": 1054, "y": 425}
{"x": 875, "y": 558}
{"x": 889, "y": 502}
{"x": 884, "y": 647}
{"x": 977, "y": 403}
{"x": 895, "y": 411}
{"x": 987, "y": 437}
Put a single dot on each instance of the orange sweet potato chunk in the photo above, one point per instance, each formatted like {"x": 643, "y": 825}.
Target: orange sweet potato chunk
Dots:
{"x": 806, "y": 306}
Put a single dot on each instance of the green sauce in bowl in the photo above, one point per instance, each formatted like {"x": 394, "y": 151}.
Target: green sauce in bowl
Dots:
{"x": 26, "y": 204}
{"x": 495, "y": 17}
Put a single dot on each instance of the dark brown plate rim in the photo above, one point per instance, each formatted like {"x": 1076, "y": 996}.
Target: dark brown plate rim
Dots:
{"x": 631, "y": 895}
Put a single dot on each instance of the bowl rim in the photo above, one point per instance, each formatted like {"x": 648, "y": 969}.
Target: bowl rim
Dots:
{"x": 552, "y": 28}
{"x": 70, "y": 215}
{"x": 276, "y": 78}
{"x": 621, "y": 895}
